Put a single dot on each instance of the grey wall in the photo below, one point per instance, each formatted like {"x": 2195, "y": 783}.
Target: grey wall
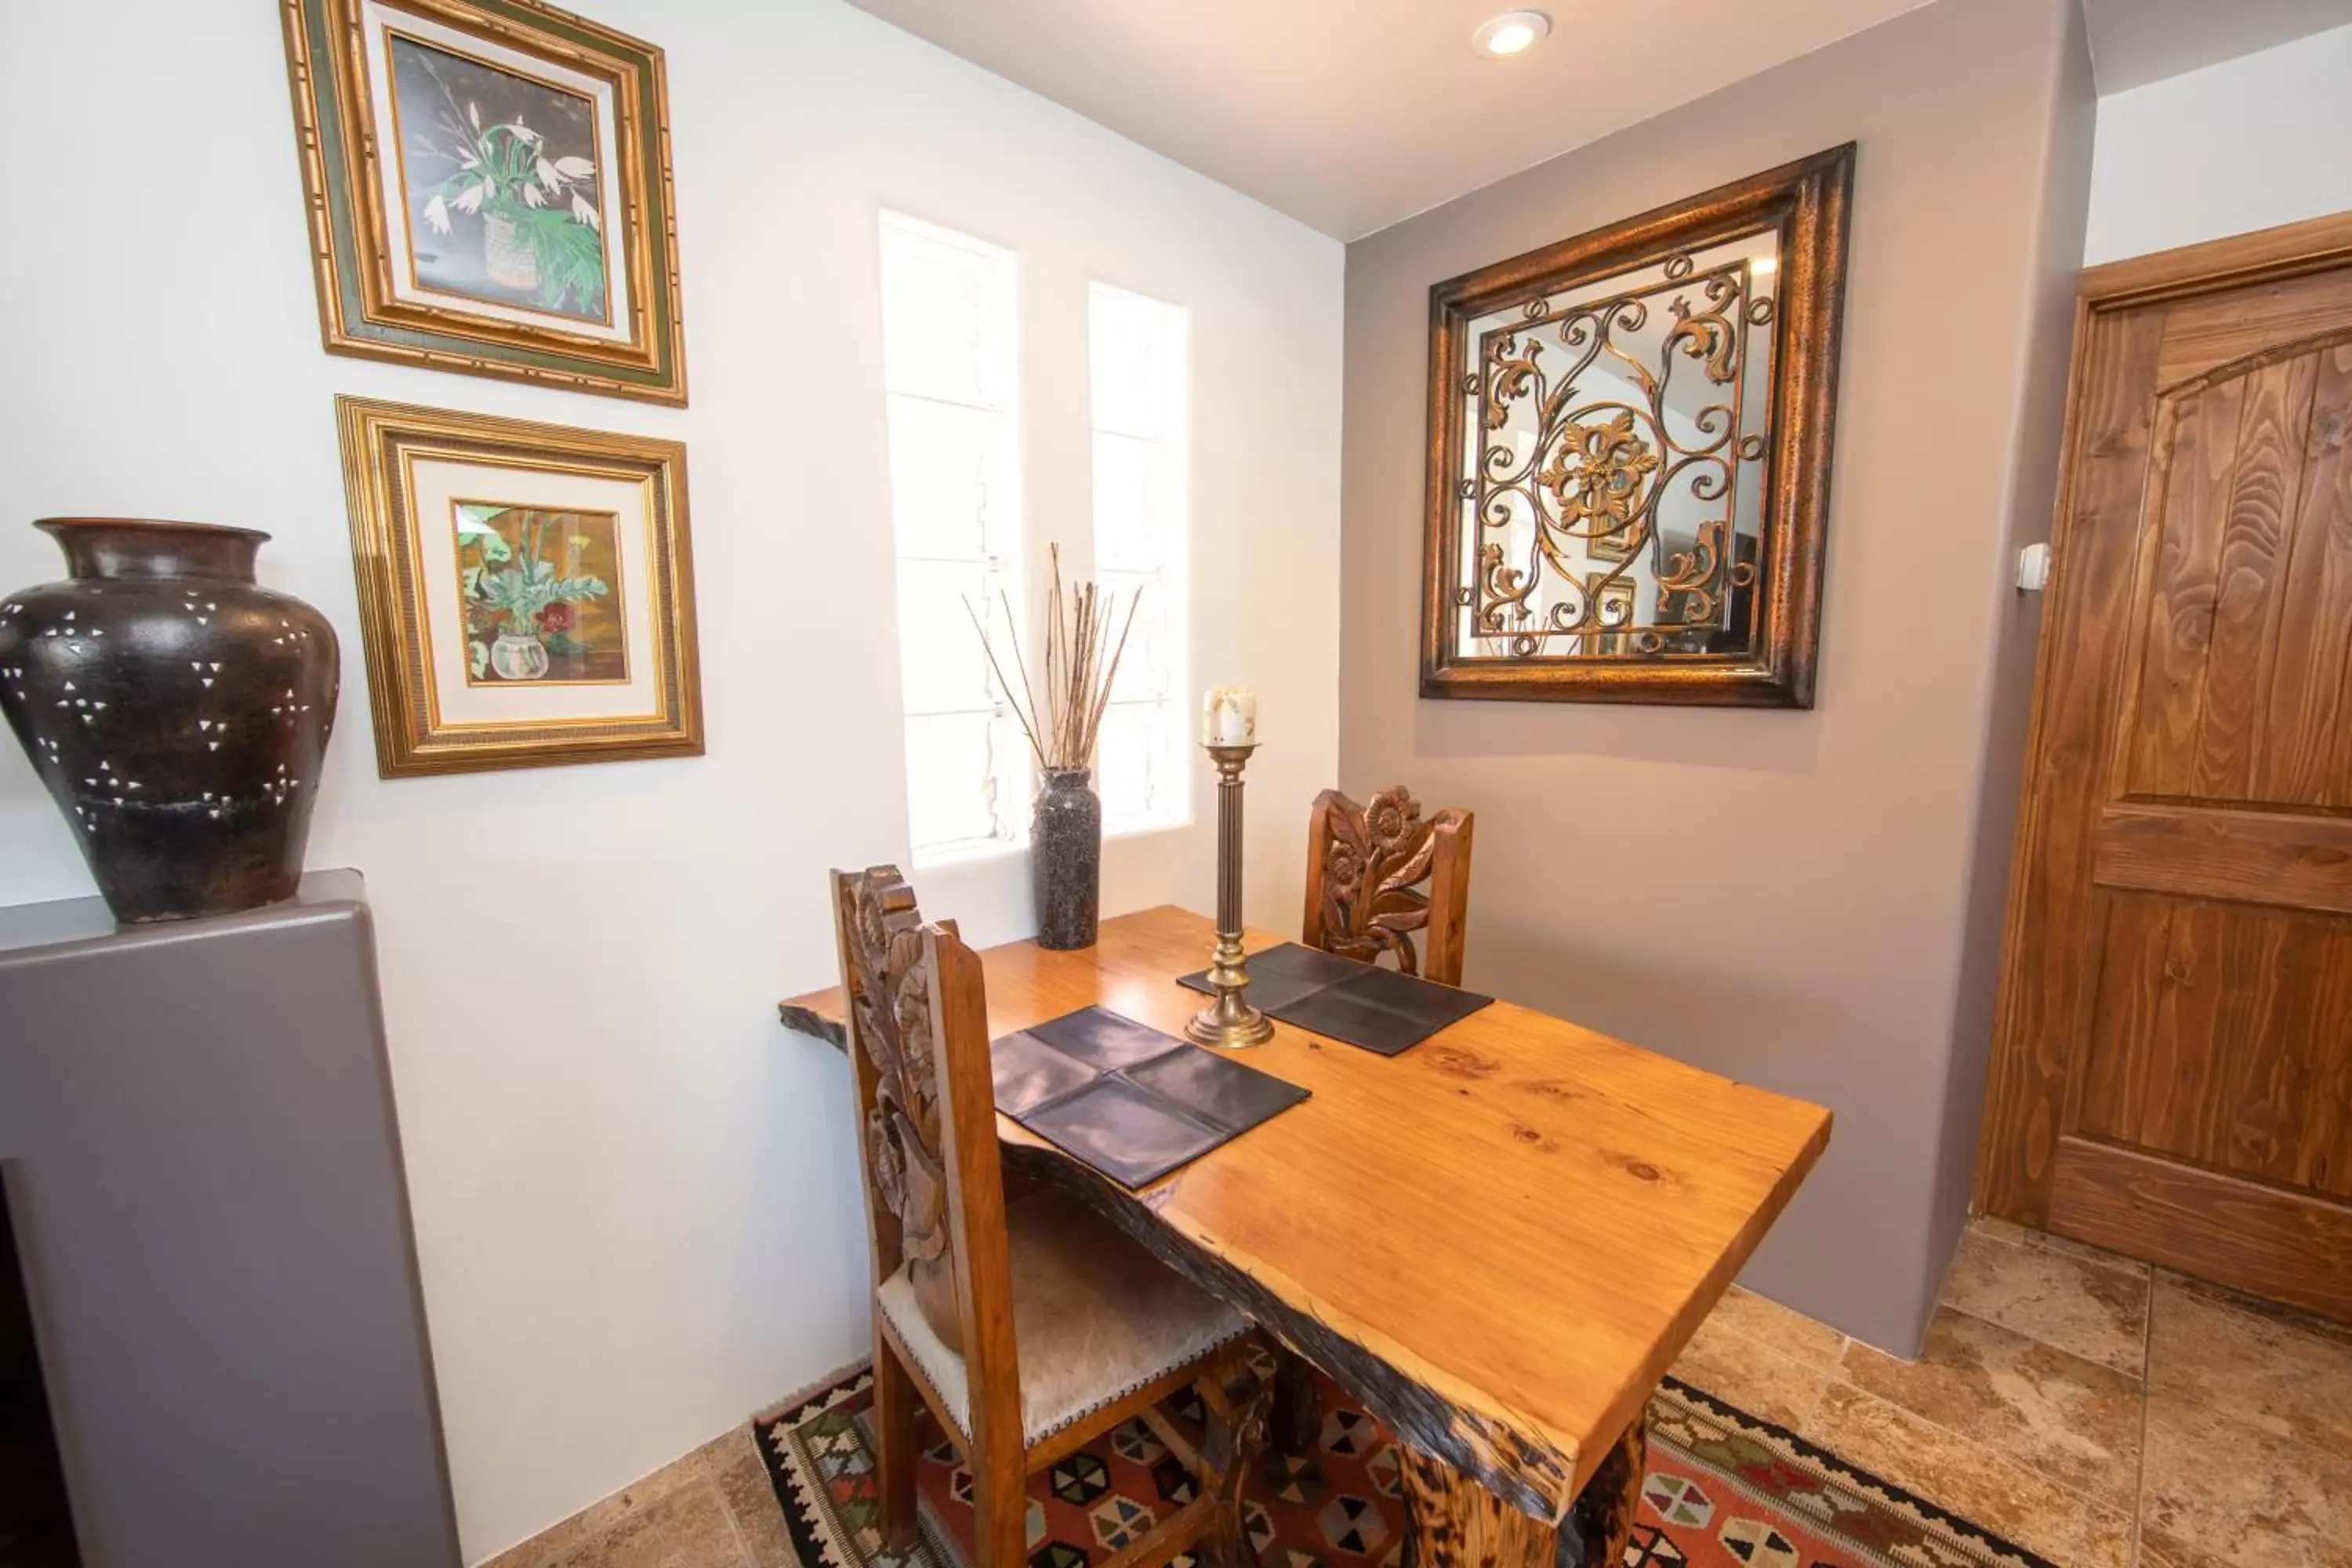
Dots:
{"x": 1810, "y": 900}
{"x": 2052, "y": 269}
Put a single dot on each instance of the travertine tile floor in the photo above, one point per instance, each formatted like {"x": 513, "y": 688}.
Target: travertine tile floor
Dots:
{"x": 2099, "y": 1412}
{"x": 2090, "y": 1408}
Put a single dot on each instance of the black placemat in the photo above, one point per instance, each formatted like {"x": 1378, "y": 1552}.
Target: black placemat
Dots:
{"x": 1129, "y": 1101}
{"x": 1356, "y": 1004}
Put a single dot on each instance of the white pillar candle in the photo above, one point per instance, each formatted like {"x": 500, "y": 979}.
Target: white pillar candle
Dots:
{"x": 1229, "y": 717}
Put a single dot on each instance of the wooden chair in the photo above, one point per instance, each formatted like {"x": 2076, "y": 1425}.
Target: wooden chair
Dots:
{"x": 1028, "y": 1330}
{"x": 1364, "y": 866}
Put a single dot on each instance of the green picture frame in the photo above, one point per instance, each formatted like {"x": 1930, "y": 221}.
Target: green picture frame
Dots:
{"x": 489, "y": 192}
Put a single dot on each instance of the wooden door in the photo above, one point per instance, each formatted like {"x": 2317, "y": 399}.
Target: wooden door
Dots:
{"x": 2172, "y": 1076}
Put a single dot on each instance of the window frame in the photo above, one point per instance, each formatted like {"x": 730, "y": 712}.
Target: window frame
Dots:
{"x": 1174, "y": 575}
{"x": 1009, "y": 774}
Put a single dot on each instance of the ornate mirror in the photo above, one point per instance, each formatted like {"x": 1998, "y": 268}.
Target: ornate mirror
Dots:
{"x": 1630, "y": 454}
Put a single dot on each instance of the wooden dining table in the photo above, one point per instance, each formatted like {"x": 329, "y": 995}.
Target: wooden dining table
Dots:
{"x": 1496, "y": 1241}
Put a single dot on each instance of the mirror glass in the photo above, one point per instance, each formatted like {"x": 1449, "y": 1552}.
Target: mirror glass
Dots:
{"x": 1611, "y": 474}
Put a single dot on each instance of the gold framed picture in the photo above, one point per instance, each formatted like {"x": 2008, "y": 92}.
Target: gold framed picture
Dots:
{"x": 526, "y": 591}
{"x": 489, "y": 190}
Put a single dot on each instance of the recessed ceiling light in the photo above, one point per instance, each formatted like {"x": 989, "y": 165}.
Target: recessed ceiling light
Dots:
{"x": 1512, "y": 32}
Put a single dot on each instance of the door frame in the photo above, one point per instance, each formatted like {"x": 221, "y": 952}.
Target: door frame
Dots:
{"x": 2025, "y": 1097}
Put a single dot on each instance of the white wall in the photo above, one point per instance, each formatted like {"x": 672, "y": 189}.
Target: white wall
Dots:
{"x": 635, "y": 1198}
{"x": 2261, "y": 140}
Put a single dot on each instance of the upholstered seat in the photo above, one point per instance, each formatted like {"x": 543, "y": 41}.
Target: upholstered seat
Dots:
{"x": 1094, "y": 1317}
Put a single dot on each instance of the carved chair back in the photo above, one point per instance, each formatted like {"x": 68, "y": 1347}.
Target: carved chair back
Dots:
{"x": 1365, "y": 867}
{"x": 916, "y": 1011}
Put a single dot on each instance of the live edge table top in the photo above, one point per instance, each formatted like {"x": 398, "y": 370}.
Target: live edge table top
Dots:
{"x": 1498, "y": 1240}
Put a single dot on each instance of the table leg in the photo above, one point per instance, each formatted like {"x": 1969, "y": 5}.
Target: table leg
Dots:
{"x": 1297, "y": 1404}
{"x": 1457, "y": 1523}
{"x": 1600, "y": 1523}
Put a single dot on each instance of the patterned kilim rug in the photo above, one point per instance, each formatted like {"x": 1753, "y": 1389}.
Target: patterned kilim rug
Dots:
{"x": 1724, "y": 1490}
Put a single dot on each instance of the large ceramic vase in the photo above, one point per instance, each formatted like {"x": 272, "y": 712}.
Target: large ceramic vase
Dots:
{"x": 177, "y": 712}
{"x": 1066, "y": 853}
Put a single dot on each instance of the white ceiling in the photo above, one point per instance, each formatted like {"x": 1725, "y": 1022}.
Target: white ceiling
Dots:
{"x": 1351, "y": 115}
{"x": 2135, "y": 42}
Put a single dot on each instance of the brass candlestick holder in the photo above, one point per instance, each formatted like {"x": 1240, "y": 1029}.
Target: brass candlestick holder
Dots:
{"x": 1229, "y": 1021}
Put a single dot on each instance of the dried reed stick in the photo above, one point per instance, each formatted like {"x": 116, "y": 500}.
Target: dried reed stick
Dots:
{"x": 1064, "y": 723}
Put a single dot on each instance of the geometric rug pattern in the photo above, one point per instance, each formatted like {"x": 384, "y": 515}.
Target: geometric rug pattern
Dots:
{"x": 1723, "y": 1490}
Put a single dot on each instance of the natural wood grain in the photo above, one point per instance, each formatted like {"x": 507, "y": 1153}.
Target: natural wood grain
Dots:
{"x": 1365, "y": 865}
{"x": 2044, "y": 1002}
{"x": 1601, "y": 1523}
{"x": 2193, "y": 471}
{"x": 2216, "y": 1040}
{"x": 2283, "y": 1244}
{"x": 917, "y": 1036}
{"x": 2322, "y": 1082}
{"x": 2208, "y": 331}
{"x": 817, "y": 1014}
{"x": 2272, "y": 1020}
{"x": 2285, "y": 251}
{"x": 1498, "y": 1240}
{"x": 2249, "y": 856}
{"x": 897, "y": 1401}
{"x": 2232, "y": 731}
{"x": 1454, "y": 1523}
{"x": 2307, "y": 696}
{"x": 2172, "y": 1065}
{"x": 997, "y": 1449}
{"x": 1238, "y": 1435}
{"x": 2175, "y": 996}
{"x": 2108, "y": 1088}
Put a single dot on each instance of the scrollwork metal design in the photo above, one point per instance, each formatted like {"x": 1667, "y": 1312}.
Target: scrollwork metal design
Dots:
{"x": 1601, "y": 468}
{"x": 1629, "y": 453}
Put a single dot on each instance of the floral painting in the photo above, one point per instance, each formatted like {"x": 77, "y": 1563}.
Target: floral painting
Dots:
{"x": 539, "y": 591}
{"x": 488, "y": 191}
{"x": 500, "y": 175}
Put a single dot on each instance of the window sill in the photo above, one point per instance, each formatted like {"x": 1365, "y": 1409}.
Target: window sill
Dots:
{"x": 1146, "y": 829}
{"x": 975, "y": 855}
{"x": 982, "y": 854}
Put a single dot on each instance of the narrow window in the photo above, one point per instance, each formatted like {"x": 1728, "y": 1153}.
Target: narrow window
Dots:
{"x": 1140, "y": 387}
{"x": 950, "y": 327}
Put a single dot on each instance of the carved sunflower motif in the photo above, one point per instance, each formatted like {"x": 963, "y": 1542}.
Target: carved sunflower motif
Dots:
{"x": 1375, "y": 855}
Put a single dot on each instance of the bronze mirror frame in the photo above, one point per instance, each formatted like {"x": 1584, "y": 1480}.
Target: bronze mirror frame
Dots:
{"x": 1806, "y": 204}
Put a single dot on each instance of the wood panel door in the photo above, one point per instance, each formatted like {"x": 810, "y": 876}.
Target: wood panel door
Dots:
{"x": 2173, "y": 1072}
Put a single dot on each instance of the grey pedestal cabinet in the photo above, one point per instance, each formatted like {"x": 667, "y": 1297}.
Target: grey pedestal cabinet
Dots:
{"x": 203, "y": 1170}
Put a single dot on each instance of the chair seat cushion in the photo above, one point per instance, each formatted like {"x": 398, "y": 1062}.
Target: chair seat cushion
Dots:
{"x": 1094, "y": 1317}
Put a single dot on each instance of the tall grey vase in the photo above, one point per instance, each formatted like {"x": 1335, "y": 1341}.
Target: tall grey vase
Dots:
{"x": 1066, "y": 855}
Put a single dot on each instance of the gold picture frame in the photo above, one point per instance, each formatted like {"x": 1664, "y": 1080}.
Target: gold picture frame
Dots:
{"x": 489, "y": 192}
{"x": 469, "y": 534}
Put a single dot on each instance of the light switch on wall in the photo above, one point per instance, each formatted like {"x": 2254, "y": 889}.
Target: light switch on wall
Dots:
{"x": 2034, "y": 568}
